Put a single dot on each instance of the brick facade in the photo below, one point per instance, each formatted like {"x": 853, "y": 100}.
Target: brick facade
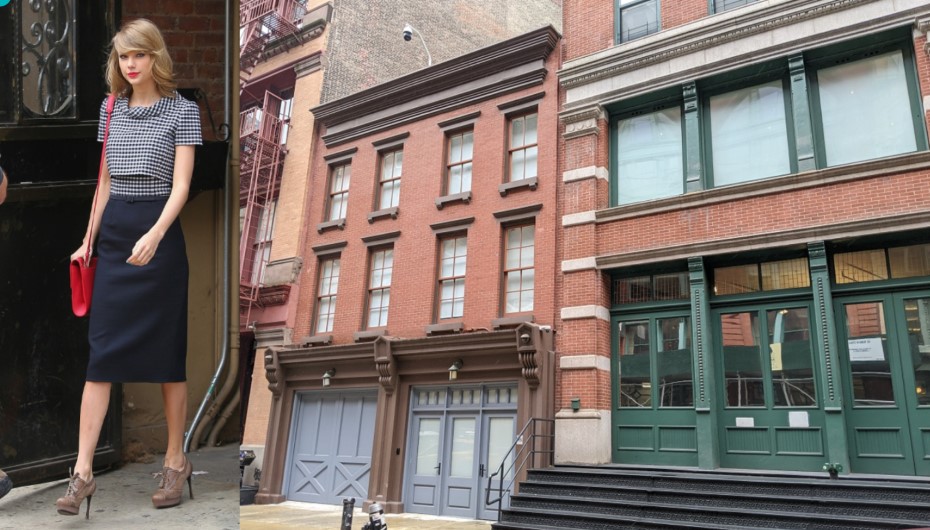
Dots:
{"x": 825, "y": 204}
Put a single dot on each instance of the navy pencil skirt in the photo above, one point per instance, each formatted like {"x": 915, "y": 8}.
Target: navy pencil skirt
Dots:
{"x": 138, "y": 315}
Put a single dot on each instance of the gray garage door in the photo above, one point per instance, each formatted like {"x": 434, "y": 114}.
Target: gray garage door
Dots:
{"x": 330, "y": 448}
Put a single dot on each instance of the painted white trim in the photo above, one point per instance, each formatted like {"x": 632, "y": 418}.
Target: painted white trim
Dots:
{"x": 579, "y": 264}
{"x": 581, "y": 218}
{"x": 582, "y": 173}
{"x": 584, "y": 362}
{"x": 586, "y": 311}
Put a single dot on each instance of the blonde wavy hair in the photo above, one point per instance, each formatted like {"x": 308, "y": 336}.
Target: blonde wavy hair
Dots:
{"x": 140, "y": 35}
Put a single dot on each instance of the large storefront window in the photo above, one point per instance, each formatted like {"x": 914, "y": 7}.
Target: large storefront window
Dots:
{"x": 655, "y": 363}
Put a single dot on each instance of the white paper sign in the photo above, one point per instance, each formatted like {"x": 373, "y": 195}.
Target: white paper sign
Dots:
{"x": 798, "y": 418}
{"x": 866, "y": 350}
{"x": 746, "y": 422}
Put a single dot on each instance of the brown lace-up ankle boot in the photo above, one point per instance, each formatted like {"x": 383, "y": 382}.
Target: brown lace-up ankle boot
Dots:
{"x": 78, "y": 489}
{"x": 172, "y": 485}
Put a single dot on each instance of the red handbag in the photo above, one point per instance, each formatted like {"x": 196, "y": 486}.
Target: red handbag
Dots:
{"x": 82, "y": 270}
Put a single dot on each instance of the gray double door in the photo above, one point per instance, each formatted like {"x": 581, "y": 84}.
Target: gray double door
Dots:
{"x": 451, "y": 451}
{"x": 329, "y": 454}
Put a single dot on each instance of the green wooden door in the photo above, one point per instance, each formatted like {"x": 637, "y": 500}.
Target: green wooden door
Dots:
{"x": 770, "y": 414}
{"x": 653, "y": 390}
{"x": 884, "y": 344}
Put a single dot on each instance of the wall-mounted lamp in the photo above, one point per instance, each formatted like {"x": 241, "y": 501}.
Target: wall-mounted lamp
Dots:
{"x": 454, "y": 370}
{"x": 576, "y": 404}
{"x": 525, "y": 338}
{"x": 327, "y": 376}
{"x": 408, "y": 35}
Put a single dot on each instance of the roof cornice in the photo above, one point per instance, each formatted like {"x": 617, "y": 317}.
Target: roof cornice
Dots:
{"x": 499, "y": 57}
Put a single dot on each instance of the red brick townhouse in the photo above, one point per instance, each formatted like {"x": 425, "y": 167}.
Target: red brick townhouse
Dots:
{"x": 745, "y": 251}
{"x": 424, "y": 337}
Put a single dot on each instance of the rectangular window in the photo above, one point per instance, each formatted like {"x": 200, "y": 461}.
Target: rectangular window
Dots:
{"x": 724, "y": 5}
{"x": 638, "y": 18}
{"x": 749, "y": 134}
{"x": 391, "y": 166}
{"x": 673, "y": 360}
{"x": 519, "y": 271}
{"x": 877, "y": 88}
{"x": 635, "y": 365}
{"x": 339, "y": 191}
{"x": 284, "y": 114}
{"x": 261, "y": 248}
{"x": 790, "y": 358}
{"x": 326, "y": 295}
{"x": 882, "y": 264}
{"x": 524, "y": 150}
{"x": 379, "y": 287}
{"x": 767, "y": 276}
{"x": 458, "y": 168}
{"x": 649, "y": 156}
{"x": 453, "y": 254}
{"x": 659, "y": 287}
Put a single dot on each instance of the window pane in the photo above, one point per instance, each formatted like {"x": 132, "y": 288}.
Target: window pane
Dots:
{"x": 531, "y": 155}
{"x": 741, "y": 359}
{"x": 463, "y": 447}
{"x": 790, "y": 356}
{"x": 455, "y": 179}
{"x": 639, "y": 20}
{"x": 467, "y": 145}
{"x": 445, "y": 308}
{"x": 676, "y": 387}
{"x": 866, "y": 95}
{"x": 917, "y": 314}
{"x": 671, "y": 286}
{"x": 864, "y": 266}
{"x": 428, "y": 447}
{"x": 908, "y": 262}
{"x": 455, "y": 149}
{"x": 387, "y": 166}
{"x": 516, "y": 133}
{"x": 736, "y": 280}
{"x": 649, "y": 160}
{"x": 466, "y": 177}
{"x": 786, "y": 274}
{"x": 870, "y": 369}
{"x": 513, "y": 302}
{"x": 749, "y": 134}
{"x": 635, "y": 364}
{"x": 531, "y": 126}
{"x": 723, "y": 5}
{"x": 398, "y": 163}
{"x": 516, "y": 165}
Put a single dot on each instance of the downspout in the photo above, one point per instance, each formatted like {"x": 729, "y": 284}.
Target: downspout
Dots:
{"x": 229, "y": 194}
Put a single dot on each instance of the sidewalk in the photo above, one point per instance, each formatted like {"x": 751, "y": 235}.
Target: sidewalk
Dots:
{"x": 123, "y": 498}
{"x": 292, "y": 514}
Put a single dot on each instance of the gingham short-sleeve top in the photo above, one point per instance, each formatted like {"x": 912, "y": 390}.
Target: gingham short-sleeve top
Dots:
{"x": 140, "y": 149}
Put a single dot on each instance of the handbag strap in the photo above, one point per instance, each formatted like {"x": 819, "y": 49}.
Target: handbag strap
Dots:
{"x": 103, "y": 153}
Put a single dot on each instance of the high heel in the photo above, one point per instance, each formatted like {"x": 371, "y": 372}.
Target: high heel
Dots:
{"x": 78, "y": 490}
{"x": 171, "y": 486}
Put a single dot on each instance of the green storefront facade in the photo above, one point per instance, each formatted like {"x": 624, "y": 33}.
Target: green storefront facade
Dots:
{"x": 795, "y": 359}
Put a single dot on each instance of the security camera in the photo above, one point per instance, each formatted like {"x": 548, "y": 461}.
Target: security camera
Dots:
{"x": 408, "y": 32}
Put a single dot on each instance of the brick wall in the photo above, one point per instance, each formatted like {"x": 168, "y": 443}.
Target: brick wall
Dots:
{"x": 590, "y": 23}
{"x": 194, "y": 32}
{"x": 413, "y": 288}
{"x": 366, "y": 46}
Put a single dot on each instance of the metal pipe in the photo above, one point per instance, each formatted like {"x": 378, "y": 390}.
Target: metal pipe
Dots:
{"x": 223, "y": 418}
{"x": 229, "y": 189}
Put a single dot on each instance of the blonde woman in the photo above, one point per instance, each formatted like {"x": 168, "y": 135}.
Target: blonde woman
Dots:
{"x": 138, "y": 320}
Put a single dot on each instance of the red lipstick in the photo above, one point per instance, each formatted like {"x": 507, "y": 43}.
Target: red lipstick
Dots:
{"x": 133, "y": 75}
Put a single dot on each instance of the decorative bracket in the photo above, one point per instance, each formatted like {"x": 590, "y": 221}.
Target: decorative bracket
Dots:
{"x": 385, "y": 364}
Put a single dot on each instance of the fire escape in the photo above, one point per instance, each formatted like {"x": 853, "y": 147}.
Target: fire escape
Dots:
{"x": 261, "y": 22}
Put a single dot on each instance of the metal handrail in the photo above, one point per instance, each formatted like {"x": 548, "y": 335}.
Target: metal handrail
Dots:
{"x": 526, "y": 453}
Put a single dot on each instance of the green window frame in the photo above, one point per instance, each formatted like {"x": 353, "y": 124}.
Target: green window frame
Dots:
{"x": 631, "y": 12}
{"x": 654, "y": 361}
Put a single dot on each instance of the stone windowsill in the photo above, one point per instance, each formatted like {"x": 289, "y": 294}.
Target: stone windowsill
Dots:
{"x": 383, "y": 214}
{"x": 331, "y": 225}
{"x": 317, "y": 340}
{"x": 445, "y": 328}
{"x": 516, "y": 185}
{"x": 368, "y": 336}
{"x": 511, "y": 322}
{"x": 465, "y": 197}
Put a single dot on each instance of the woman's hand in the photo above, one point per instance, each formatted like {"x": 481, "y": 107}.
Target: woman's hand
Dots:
{"x": 145, "y": 248}
{"x": 80, "y": 252}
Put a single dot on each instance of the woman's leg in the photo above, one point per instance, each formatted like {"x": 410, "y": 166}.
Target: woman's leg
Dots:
{"x": 175, "y": 398}
{"x": 94, "y": 405}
